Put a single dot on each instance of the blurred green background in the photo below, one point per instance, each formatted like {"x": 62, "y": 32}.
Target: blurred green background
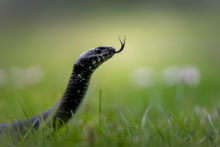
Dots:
{"x": 42, "y": 39}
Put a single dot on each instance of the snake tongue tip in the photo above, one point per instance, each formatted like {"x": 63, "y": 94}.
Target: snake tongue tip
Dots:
{"x": 122, "y": 45}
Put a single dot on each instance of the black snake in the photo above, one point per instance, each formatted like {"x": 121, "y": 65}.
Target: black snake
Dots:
{"x": 76, "y": 89}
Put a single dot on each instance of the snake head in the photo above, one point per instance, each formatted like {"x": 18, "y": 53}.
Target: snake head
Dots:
{"x": 92, "y": 58}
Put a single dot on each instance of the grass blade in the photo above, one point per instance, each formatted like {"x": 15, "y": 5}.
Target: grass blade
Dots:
{"x": 145, "y": 116}
{"x": 121, "y": 115}
{"x": 212, "y": 125}
{"x": 100, "y": 107}
{"x": 28, "y": 130}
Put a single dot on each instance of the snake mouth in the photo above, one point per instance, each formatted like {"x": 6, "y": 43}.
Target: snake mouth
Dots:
{"x": 122, "y": 45}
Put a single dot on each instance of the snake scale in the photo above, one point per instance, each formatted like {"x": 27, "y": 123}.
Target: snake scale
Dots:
{"x": 83, "y": 68}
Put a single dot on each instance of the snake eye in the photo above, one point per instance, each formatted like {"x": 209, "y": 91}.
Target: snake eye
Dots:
{"x": 98, "y": 51}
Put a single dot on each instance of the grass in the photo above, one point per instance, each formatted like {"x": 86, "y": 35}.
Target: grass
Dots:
{"x": 195, "y": 126}
{"x": 121, "y": 114}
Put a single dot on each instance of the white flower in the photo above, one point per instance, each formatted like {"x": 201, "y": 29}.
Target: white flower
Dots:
{"x": 171, "y": 75}
{"x": 18, "y": 77}
{"x": 190, "y": 75}
{"x": 3, "y": 77}
{"x": 33, "y": 75}
{"x": 23, "y": 77}
{"x": 142, "y": 77}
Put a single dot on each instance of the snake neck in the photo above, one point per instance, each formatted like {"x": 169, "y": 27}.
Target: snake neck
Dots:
{"x": 75, "y": 92}
{"x": 72, "y": 97}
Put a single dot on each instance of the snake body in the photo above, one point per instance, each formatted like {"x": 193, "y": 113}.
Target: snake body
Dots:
{"x": 76, "y": 89}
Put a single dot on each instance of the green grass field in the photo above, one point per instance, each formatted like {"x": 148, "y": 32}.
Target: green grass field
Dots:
{"x": 130, "y": 114}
